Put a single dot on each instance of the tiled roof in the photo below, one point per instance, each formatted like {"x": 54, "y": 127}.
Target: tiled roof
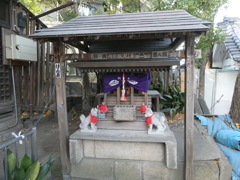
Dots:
{"x": 231, "y": 26}
{"x": 117, "y": 24}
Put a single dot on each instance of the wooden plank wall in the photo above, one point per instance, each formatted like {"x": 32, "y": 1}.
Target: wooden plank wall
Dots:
{"x": 42, "y": 84}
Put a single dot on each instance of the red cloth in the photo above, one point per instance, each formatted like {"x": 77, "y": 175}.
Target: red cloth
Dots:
{"x": 93, "y": 119}
{"x": 143, "y": 108}
{"x": 103, "y": 108}
{"x": 149, "y": 120}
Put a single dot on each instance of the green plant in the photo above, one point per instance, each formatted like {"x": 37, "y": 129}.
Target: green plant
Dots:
{"x": 27, "y": 170}
{"x": 171, "y": 101}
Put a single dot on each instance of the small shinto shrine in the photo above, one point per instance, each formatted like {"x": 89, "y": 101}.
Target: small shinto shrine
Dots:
{"x": 125, "y": 48}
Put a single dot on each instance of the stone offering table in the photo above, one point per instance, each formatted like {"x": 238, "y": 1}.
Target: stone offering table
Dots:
{"x": 109, "y": 152}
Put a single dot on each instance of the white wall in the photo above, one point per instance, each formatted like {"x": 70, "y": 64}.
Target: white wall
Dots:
{"x": 218, "y": 83}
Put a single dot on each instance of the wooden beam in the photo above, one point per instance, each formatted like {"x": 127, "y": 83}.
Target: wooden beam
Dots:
{"x": 62, "y": 108}
{"x": 53, "y": 10}
{"x": 127, "y": 55}
{"x": 189, "y": 108}
{"x": 177, "y": 42}
{"x": 78, "y": 45}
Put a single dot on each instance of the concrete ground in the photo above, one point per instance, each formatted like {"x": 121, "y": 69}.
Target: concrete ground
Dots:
{"x": 205, "y": 148}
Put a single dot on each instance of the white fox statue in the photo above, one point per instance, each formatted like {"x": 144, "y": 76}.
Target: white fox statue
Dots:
{"x": 90, "y": 119}
{"x": 156, "y": 119}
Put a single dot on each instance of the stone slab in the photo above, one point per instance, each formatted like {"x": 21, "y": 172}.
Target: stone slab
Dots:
{"x": 130, "y": 150}
{"x": 125, "y": 135}
{"x": 89, "y": 148}
{"x": 127, "y": 170}
{"x": 225, "y": 168}
{"x": 91, "y": 168}
{"x": 118, "y": 125}
{"x": 167, "y": 138}
{"x": 76, "y": 150}
{"x": 204, "y": 146}
{"x": 207, "y": 170}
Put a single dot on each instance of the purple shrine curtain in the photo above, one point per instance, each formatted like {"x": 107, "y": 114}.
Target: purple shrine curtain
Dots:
{"x": 113, "y": 81}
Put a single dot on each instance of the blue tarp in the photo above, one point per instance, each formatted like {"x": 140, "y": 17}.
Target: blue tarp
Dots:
{"x": 229, "y": 138}
{"x": 224, "y": 131}
{"x": 233, "y": 158}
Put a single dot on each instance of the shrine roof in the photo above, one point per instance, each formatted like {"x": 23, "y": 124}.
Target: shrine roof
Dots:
{"x": 129, "y": 23}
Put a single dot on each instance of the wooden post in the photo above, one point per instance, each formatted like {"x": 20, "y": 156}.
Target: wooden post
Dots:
{"x": 132, "y": 95}
{"x": 189, "y": 110}
{"x": 62, "y": 108}
{"x": 118, "y": 96}
{"x": 33, "y": 23}
{"x": 146, "y": 98}
{"x": 105, "y": 98}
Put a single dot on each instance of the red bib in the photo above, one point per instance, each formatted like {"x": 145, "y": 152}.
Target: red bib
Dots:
{"x": 93, "y": 119}
{"x": 149, "y": 120}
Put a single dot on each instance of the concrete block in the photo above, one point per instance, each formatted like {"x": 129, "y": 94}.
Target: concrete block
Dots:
{"x": 89, "y": 150}
{"x": 156, "y": 171}
{"x": 76, "y": 150}
{"x": 127, "y": 170}
{"x": 130, "y": 150}
{"x": 224, "y": 167}
{"x": 171, "y": 155}
{"x": 91, "y": 168}
{"x": 207, "y": 170}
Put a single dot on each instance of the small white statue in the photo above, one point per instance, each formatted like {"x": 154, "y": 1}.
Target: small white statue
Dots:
{"x": 156, "y": 119}
{"x": 90, "y": 119}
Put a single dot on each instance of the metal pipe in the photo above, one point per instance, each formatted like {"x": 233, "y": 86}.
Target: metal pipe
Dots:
{"x": 15, "y": 140}
{"x": 34, "y": 144}
{"x": 5, "y": 164}
{"x": 15, "y": 101}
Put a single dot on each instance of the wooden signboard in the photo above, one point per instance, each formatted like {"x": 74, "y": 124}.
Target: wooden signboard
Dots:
{"x": 128, "y": 55}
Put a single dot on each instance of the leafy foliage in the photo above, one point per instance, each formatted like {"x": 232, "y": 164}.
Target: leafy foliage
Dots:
{"x": 171, "y": 101}
{"x": 28, "y": 169}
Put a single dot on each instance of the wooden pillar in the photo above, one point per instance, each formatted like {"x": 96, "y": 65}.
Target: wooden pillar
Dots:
{"x": 33, "y": 23}
{"x": 132, "y": 95}
{"x": 146, "y": 98}
{"x": 189, "y": 108}
{"x": 105, "y": 98}
{"x": 118, "y": 95}
{"x": 61, "y": 107}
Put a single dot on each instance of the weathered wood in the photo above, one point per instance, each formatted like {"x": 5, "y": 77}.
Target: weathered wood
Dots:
{"x": 129, "y": 23}
{"x": 38, "y": 74}
{"x": 118, "y": 95}
{"x": 62, "y": 109}
{"x": 127, "y": 55}
{"x": 132, "y": 95}
{"x": 42, "y": 76}
{"x": 166, "y": 80}
{"x": 189, "y": 109}
{"x": 235, "y": 105}
{"x": 17, "y": 84}
{"x": 47, "y": 85}
{"x": 105, "y": 98}
{"x": 145, "y": 97}
{"x": 177, "y": 42}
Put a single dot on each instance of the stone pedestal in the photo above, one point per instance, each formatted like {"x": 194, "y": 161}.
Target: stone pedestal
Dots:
{"x": 110, "y": 152}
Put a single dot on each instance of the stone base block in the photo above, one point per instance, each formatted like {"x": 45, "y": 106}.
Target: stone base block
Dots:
{"x": 109, "y": 169}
